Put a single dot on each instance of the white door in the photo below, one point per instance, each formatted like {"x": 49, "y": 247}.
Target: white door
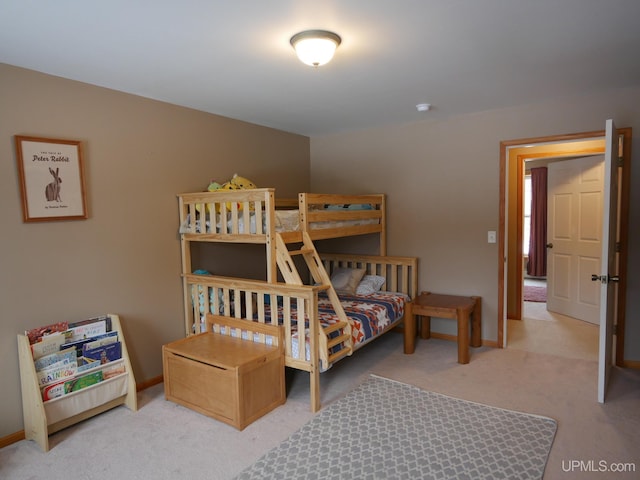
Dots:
{"x": 574, "y": 236}
{"x": 607, "y": 278}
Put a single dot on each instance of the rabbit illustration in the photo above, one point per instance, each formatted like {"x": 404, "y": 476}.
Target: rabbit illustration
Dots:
{"x": 52, "y": 191}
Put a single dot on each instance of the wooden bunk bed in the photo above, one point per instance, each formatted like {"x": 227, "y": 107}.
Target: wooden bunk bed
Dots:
{"x": 288, "y": 228}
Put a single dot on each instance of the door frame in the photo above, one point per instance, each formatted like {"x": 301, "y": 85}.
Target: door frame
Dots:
{"x": 507, "y": 165}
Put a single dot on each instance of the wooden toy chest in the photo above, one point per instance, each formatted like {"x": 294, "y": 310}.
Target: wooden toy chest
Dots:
{"x": 230, "y": 379}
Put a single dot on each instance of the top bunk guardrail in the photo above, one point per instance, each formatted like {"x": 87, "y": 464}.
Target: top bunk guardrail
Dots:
{"x": 254, "y": 215}
{"x": 230, "y": 216}
{"x": 334, "y": 215}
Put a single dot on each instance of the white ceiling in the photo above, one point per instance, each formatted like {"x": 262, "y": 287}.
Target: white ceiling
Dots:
{"x": 233, "y": 58}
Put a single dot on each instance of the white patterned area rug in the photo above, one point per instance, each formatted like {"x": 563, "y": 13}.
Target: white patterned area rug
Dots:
{"x": 390, "y": 430}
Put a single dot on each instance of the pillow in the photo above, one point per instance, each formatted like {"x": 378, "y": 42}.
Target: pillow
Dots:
{"x": 345, "y": 280}
{"x": 360, "y": 206}
{"x": 349, "y": 206}
{"x": 370, "y": 284}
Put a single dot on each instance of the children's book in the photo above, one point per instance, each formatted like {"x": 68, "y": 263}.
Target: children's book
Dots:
{"x": 56, "y": 372}
{"x": 82, "y": 382}
{"x": 105, "y": 339}
{"x": 101, "y": 318}
{"x": 113, "y": 370}
{"x": 68, "y": 355}
{"x": 35, "y": 334}
{"x": 47, "y": 345}
{"x": 104, "y": 353}
{"x": 88, "y": 328}
{"x": 78, "y": 344}
{"x": 53, "y": 391}
{"x": 86, "y": 364}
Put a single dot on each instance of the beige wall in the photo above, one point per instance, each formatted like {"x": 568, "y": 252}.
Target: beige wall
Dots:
{"x": 125, "y": 258}
{"x": 442, "y": 181}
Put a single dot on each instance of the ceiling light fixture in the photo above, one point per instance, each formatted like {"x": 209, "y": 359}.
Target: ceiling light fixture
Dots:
{"x": 315, "y": 47}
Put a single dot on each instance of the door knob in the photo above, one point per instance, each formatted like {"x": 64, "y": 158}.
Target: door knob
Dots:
{"x": 605, "y": 278}
{"x": 549, "y": 245}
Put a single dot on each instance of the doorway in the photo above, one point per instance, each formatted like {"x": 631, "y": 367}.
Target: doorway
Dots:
{"x": 561, "y": 195}
{"x": 513, "y": 155}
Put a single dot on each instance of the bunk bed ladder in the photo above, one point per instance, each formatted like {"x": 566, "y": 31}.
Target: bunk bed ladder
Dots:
{"x": 320, "y": 276}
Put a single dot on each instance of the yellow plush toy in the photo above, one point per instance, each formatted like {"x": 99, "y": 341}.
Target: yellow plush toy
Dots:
{"x": 213, "y": 186}
{"x": 237, "y": 183}
{"x": 227, "y": 186}
{"x": 241, "y": 182}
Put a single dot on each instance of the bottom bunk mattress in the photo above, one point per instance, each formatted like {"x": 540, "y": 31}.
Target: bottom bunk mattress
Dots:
{"x": 370, "y": 316}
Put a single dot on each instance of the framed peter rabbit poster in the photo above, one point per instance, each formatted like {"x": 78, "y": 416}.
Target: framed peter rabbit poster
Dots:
{"x": 51, "y": 179}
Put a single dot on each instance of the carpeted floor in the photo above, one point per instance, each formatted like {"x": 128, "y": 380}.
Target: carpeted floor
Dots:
{"x": 532, "y": 293}
{"x": 387, "y": 429}
{"x": 165, "y": 441}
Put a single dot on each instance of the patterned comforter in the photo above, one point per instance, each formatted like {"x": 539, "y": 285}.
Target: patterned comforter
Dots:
{"x": 370, "y": 315}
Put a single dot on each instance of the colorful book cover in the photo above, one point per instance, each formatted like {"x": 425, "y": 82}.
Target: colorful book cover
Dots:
{"x": 105, "y": 339}
{"x": 82, "y": 382}
{"x": 81, "y": 331}
{"x": 86, "y": 364}
{"x": 34, "y": 335}
{"x": 68, "y": 355}
{"x": 53, "y": 391}
{"x": 112, "y": 371}
{"x": 78, "y": 344}
{"x": 104, "y": 353}
{"x": 101, "y": 318}
{"x": 47, "y": 345}
{"x": 56, "y": 372}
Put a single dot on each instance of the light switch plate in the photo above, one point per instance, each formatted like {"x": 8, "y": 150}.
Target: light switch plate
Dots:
{"x": 491, "y": 236}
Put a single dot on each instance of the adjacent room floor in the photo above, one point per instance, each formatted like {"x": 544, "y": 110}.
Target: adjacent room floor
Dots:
{"x": 542, "y": 331}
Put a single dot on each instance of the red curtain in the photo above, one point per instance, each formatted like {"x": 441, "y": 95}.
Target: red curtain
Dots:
{"x": 537, "y": 265}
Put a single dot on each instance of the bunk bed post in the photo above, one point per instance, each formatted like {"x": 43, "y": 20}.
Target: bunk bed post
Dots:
{"x": 269, "y": 210}
{"x": 383, "y": 226}
{"x": 303, "y": 207}
{"x": 414, "y": 278}
{"x": 314, "y": 380}
{"x": 314, "y": 360}
{"x": 186, "y": 267}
